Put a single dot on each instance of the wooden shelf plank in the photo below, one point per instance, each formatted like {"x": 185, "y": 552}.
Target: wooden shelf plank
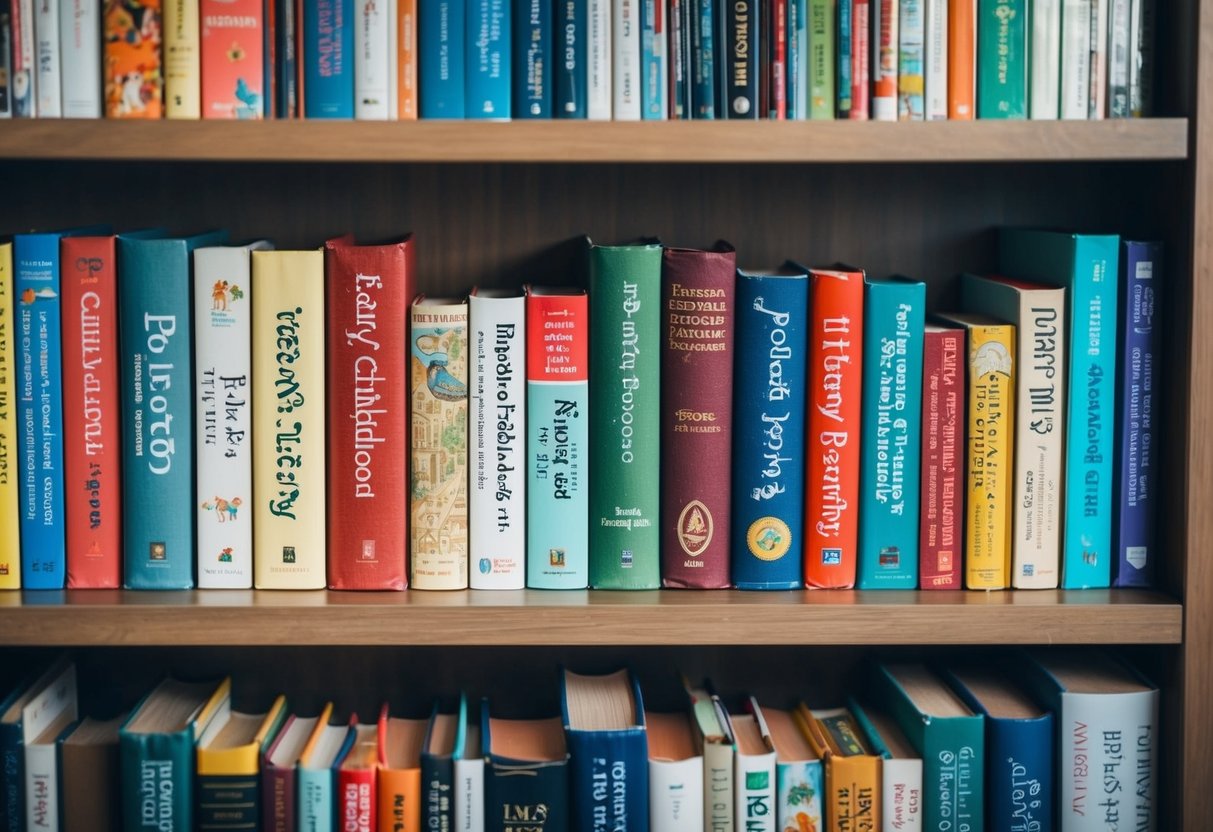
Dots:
{"x": 614, "y": 142}
{"x": 531, "y": 617}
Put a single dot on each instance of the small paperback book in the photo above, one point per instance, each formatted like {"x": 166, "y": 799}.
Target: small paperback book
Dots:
{"x": 279, "y": 771}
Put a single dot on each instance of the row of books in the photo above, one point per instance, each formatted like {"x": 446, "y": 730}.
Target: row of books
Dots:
{"x": 596, "y": 59}
{"x": 1052, "y": 740}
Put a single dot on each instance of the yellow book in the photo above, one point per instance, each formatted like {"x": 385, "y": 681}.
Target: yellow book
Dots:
{"x": 990, "y": 347}
{"x": 852, "y": 770}
{"x": 182, "y": 60}
{"x": 234, "y": 742}
{"x": 10, "y": 537}
{"x": 288, "y": 420}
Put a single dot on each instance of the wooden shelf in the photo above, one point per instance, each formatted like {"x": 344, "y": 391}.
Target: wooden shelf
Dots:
{"x": 530, "y": 617}
{"x": 570, "y": 141}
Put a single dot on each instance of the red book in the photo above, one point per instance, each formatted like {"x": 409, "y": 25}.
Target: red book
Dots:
{"x": 368, "y": 289}
{"x": 832, "y": 439}
{"x": 779, "y": 59}
{"x": 356, "y": 800}
{"x": 861, "y": 58}
{"x": 233, "y": 59}
{"x": 943, "y": 431}
{"x": 697, "y": 289}
{"x": 92, "y": 456}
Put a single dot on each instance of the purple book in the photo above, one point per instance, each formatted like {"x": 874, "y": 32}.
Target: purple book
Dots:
{"x": 1137, "y": 415}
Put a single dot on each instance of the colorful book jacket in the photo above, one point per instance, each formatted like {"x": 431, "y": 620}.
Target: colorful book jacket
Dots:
{"x": 775, "y": 54}
{"x": 181, "y": 59}
{"x": 768, "y": 429}
{"x": 134, "y": 82}
{"x": 317, "y": 771}
{"x": 497, "y": 443}
{"x": 223, "y": 446}
{"x": 842, "y": 60}
{"x": 852, "y": 769}
{"x": 1086, "y": 266}
{"x": 406, "y": 60}
{"x": 10, "y": 523}
{"x": 526, "y": 778}
{"x": 740, "y": 27}
{"x": 557, "y": 410}
{"x": 158, "y": 514}
{"x": 862, "y": 68}
{"x": 678, "y": 86}
{"x": 80, "y": 52}
{"x": 289, "y": 458}
{"x": 832, "y": 437}
{"x": 822, "y": 99}
{"x": 441, "y": 42}
{"x": 625, "y": 63}
{"x": 398, "y": 784}
{"x": 798, "y": 59}
{"x": 891, "y": 425}
{"x": 328, "y": 59}
{"x": 488, "y": 59}
{"x": 625, "y": 416}
{"x": 444, "y": 743}
{"x": 23, "y": 76}
{"x": 1002, "y": 59}
{"x": 962, "y": 59}
{"x": 1137, "y": 416}
{"x": 438, "y": 373}
{"x": 885, "y": 19}
{"x": 229, "y": 783}
{"x": 654, "y": 59}
{"x": 571, "y": 79}
{"x": 599, "y": 97}
{"x": 233, "y": 59}
{"x": 704, "y": 15}
{"x": 910, "y": 63}
{"x": 799, "y": 773}
{"x": 941, "y": 520}
{"x": 368, "y": 289}
{"x": 697, "y": 294}
{"x": 533, "y": 53}
{"x": 714, "y": 738}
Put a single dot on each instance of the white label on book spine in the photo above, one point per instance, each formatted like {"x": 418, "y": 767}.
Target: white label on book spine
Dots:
{"x": 80, "y": 51}
{"x": 626, "y": 66}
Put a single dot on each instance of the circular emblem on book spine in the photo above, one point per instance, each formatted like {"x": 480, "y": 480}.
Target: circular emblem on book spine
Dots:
{"x": 694, "y": 528}
{"x": 768, "y": 538}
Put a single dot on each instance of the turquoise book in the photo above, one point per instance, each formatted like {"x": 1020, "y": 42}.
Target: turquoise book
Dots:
{"x": 157, "y": 391}
{"x": 1087, "y": 267}
{"x": 894, "y": 312}
{"x": 441, "y": 59}
{"x": 316, "y": 773}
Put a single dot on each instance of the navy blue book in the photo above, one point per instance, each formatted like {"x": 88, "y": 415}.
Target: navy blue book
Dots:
{"x": 526, "y": 778}
{"x": 609, "y": 770}
{"x": 328, "y": 58}
{"x": 441, "y": 43}
{"x": 769, "y": 351}
{"x": 703, "y": 58}
{"x": 444, "y": 743}
{"x": 286, "y": 56}
{"x": 572, "y": 80}
{"x": 1019, "y": 748}
{"x": 740, "y": 75}
{"x": 532, "y": 59}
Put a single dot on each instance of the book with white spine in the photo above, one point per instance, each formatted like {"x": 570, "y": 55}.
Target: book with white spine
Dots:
{"x": 1044, "y": 67}
{"x": 371, "y": 63}
{"x": 393, "y": 61}
{"x": 46, "y": 58}
{"x": 43, "y": 719}
{"x": 935, "y": 61}
{"x": 1119, "y": 56}
{"x": 469, "y": 785}
{"x": 80, "y": 57}
{"x": 625, "y": 67}
{"x": 598, "y": 84}
{"x": 1075, "y": 58}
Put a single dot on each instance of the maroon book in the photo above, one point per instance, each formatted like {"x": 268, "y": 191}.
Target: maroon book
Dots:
{"x": 369, "y": 289}
{"x": 697, "y": 290}
{"x": 943, "y": 433}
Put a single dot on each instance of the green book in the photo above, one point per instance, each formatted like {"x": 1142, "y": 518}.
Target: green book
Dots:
{"x": 625, "y": 413}
{"x": 821, "y": 59}
{"x": 1002, "y": 59}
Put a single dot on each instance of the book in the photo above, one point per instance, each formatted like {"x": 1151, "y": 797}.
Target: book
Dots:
{"x": 48, "y": 90}
{"x": 287, "y": 34}
{"x": 675, "y": 796}
{"x": 799, "y": 776}
{"x": 608, "y": 768}
{"x": 373, "y": 28}
{"x": 6, "y": 59}
{"x": 557, "y": 412}
{"x": 753, "y": 772}
{"x": 1019, "y": 746}
{"x": 1086, "y": 265}
{"x": 80, "y": 58}
{"x": 704, "y": 18}
{"x": 88, "y": 771}
{"x": 625, "y": 60}
{"x": 156, "y": 748}
{"x": 44, "y": 718}
{"x": 19, "y": 39}
{"x": 289, "y": 456}
{"x": 228, "y": 765}
{"x": 279, "y": 780}
{"x": 862, "y": 69}
{"x": 356, "y": 774}
{"x": 1135, "y": 472}
{"x": 444, "y": 742}
{"x": 316, "y": 776}
{"x": 891, "y": 425}
{"x": 654, "y": 59}
{"x": 223, "y": 444}
{"x": 269, "y": 59}
{"x": 1002, "y": 59}
{"x": 438, "y": 373}
{"x": 1118, "y": 57}
{"x": 533, "y": 53}
{"x": 468, "y": 801}
{"x": 1044, "y": 59}
{"x": 935, "y": 59}
{"x": 599, "y": 97}
{"x": 911, "y": 54}
{"x": 625, "y": 416}
{"x": 10, "y": 512}
{"x": 697, "y": 297}
{"x": 852, "y": 769}
{"x": 405, "y": 60}
{"x": 328, "y": 58}
{"x": 570, "y": 71}
{"x": 1076, "y": 44}
{"x": 885, "y": 17}
{"x": 900, "y": 769}
{"x": 844, "y": 58}
{"x": 775, "y": 60}
{"x": 714, "y": 740}
{"x": 946, "y": 734}
{"x": 962, "y": 59}
{"x": 233, "y": 59}
{"x": 367, "y": 293}
{"x": 739, "y": 27}
{"x": 488, "y": 59}
{"x": 1097, "y": 100}
{"x": 992, "y": 376}
{"x": 399, "y": 778}
{"x": 941, "y": 518}
{"x": 678, "y": 88}
{"x": 798, "y": 58}
{"x": 821, "y": 72}
{"x": 182, "y": 59}
{"x": 768, "y": 428}
{"x": 12, "y": 741}
{"x": 1141, "y": 60}
{"x": 526, "y": 778}
{"x": 832, "y": 436}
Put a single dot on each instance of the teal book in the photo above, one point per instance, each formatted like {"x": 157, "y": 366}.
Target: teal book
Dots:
{"x": 625, "y": 416}
{"x": 157, "y": 391}
{"x": 894, "y": 312}
{"x": 1086, "y": 265}
{"x": 316, "y": 775}
{"x": 1002, "y": 59}
{"x": 557, "y": 427}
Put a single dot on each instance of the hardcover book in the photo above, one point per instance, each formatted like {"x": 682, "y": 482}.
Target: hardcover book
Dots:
{"x": 1002, "y": 59}
{"x": 900, "y": 770}
{"x": 678, "y": 87}
{"x": 775, "y": 56}
{"x": 48, "y": 84}
{"x": 625, "y": 64}
{"x": 10, "y": 489}
{"x": 862, "y": 68}
{"x": 526, "y": 782}
{"x": 356, "y": 799}
{"x": 80, "y": 51}
{"x": 1119, "y": 56}
{"x": 367, "y": 292}
{"x": 704, "y": 17}
{"x": 12, "y": 741}
{"x": 625, "y": 416}
{"x": 182, "y": 59}
{"x": 328, "y": 58}
{"x": 444, "y": 742}
{"x": 1076, "y": 47}
{"x": 287, "y": 34}
{"x": 1097, "y": 103}
{"x": 852, "y": 769}
{"x": 533, "y": 53}
{"x": 44, "y": 719}
{"x": 279, "y": 772}
{"x": 1044, "y": 57}
{"x": 317, "y": 771}
{"x": 373, "y": 61}
{"x": 233, "y": 59}
{"x": 885, "y": 17}
{"x": 399, "y": 783}
{"x": 89, "y": 772}
{"x": 468, "y": 799}
{"x": 941, "y": 520}
{"x": 24, "y": 66}
{"x": 654, "y": 59}
{"x": 798, "y": 58}
{"x": 753, "y": 772}
{"x": 911, "y": 82}
{"x": 405, "y": 60}
{"x": 740, "y": 27}
{"x": 697, "y": 294}
{"x": 229, "y": 755}
{"x": 768, "y": 429}
{"x": 599, "y": 98}
{"x": 935, "y": 59}
{"x": 962, "y": 59}
{"x": 488, "y": 59}
{"x": 441, "y": 66}
{"x": 799, "y": 775}
{"x": 714, "y": 740}
{"x": 570, "y": 69}
{"x": 675, "y": 774}
{"x": 438, "y": 373}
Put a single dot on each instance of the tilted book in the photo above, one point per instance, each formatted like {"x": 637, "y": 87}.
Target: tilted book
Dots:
{"x": 557, "y": 416}
{"x": 488, "y": 59}
{"x": 89, "y": 771}
{"x": 80, "y": 52}
{"x": 399, "y": 779}
{"x": 675, "y": 774}
{"x": 444, "y": 742}
{"x": 441, "y": 43}
{"x": 625, "y": 416}
{"x": 438, "y": 387}
{"x": 12, "y": 740}
{"x": 289, "y": 458}
{"x": 570, "y": 78}
{"x": 625, "y": 60}
{"x": 714, "y": 740}
{"x": 233, "y": 59}
{"x": 1002, "y": 59}
{"x": 852, "y": 769}
{"x": 944, "y": 417}
{"x": 799, "y": 775}
{"x": 697, "y": 295}
{"x": 182, "y": 60}
{"x": 532, "y": 57}
{"x": 367, "y": 292}
{"x": 328, "y": 59}
{"x": 900, "y": 769}
{"x": 753, "y": 772}
{"x": 526, "y": 778}
{"x": 229, "y": 755}
{"x": 43, "y": 720}
{"x": 10, "y": 522}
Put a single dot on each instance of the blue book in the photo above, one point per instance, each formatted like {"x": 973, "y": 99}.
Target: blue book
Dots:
{"x": 285, "y": 30}
{"x": 532, "y": 59}
{"x": 654, "y": 64}
{"x": 1137, "y": 415}
{"x": 798, "y": 60}
{"x": 328, "y": 59}
{"x": 609, "y": 765}
{"x": 440, "y": 62}
{"x": 526, "y": 784}
{"x": 771, "y": 332}
{"x": 445, "y": 740}
{"x": 1019, "y": 748}
{"x": 893, "y": 316}
{"x": 703, "y": 59}
{"x": 40, "y": 405}
{"x": 1086, "y": 265}
{"x": 845, "y": 12}
{"x": 488, "y": 59}
{"x": 572, "y": 80}
{"x": 157, "y": 409}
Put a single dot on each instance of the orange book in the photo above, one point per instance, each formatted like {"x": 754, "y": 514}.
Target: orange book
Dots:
{"x": 134, "y": 80}
{"x": 399, "y": 786}
{"x": 406, "y": 59}
{"x": 962, "y": 62}
{"x": 832, "y": 439}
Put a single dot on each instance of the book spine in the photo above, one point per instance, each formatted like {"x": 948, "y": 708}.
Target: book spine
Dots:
{"x": 678, "y": 86}
{"x": 404, "y": 61}
{"x": 372, "y": 60}
{"x": 46, "y": 57}
{"x": 469, "y": 795}
{"x": 437, "y": 783}
{"x": 10, "y": 490}
{"x": 91, "y": 454}
{"x": 532, "y": 59}
{"x": 892, "y": 425}
{"x": 953, "y": 773}
{"x": 774, "y": 60}
{"x": 278, "y": 798}
{"x": 676, "y": 795}
{"x": 497, "y": 498}
{"x": 40, "y": 409}
{"x": 842, "y": 63}
{"x": 1097, "y": 101}
{"x": 935, "y": 60}
{"x": 12, "y": 777}
{"x": 654, "y": 64}
{"x": 962, "y": 59}
{"x": 768, "y": 432}
{"x": 852, "y": 791}
{"x": 488, "y": 60}
{"x": 328, "y": 59}
{"x": 718, "y": 772}
{"x": 1019, "y": 772}
{"x": 269, "y": 59}
{"x": 703, "y": 59}
{"x": 228, "y": 801}
{"x": 557, "y": 411}
{"x": 163, "y": 765}
{"x": 1044, "y": 68}
{"x": 911, "y": 83}
{"x": 754, "y": 807}
{"x": 832, "y": 437}
{"x": 1002, "y": 65}
{"x": 399, "y": 794}
{"x": 943, "y": 409}
{"x": 598, "y": 61}
{"x": 901, "y": 795}
{"x": 861, "y": 60}
{"x": 134, "y": 83}
{"x": 316, "y": 810}
{"x": 626, "y": 75}
{"x": 25, "y": 73}
{"x": 609, "y": 773}
{"x": 182, "y": 60}
{"x": 571, "y": 77}
{"x": 821, "y": 59}
{"x": 1075, "y": 58}
{"x": 799, "y": 787}
{"x": 741, "y": 26}
{"x": 356, "y": 802}
{"x": 80, "y": 48}
{"x": 233, "y": 59}
{"x": 42, "y": 789}
{"x": 516, "y": 795}
{"x": 1118, "y": 58}
{"x": 885, "y": 19}
{"x": 1141, "y": 58}
{"x": 287, "y": 51}
{"x": 6, "y": 61}
{"x": 798, "y": 60}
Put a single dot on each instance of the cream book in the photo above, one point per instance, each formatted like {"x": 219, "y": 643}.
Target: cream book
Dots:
{"x": 43, "y": 719}
{"x": 675, "y": 773}
{"x": 182, "y": 59}
{"x": 754, "y": 772}
{"x": 10, "y": 534}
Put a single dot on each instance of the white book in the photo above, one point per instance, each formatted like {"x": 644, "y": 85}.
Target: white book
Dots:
{"x": 223, "y": 473}
{"x": 46, "y": 54}
{"x": 901, "y": 795}
{"x": 1075, "y": 58}
{"x": 1044, "y": 70}
{"x": 753, "y": 774}
{"x": 80, "y": 54}
{"x": 1097, "y": 103}
{"x": 23, "y": 90}
{"x": 625, "y": 68}
{"x": 469, "y": 785}
{"x": 43, "y": 719}
{"x": 598, "y": 60}
{"x": 935, "y": 61}
{"x": 1119, "y": 28}
{"x": 497, "y": 441}
{"x": 675, "y": 774}
{"x": 371, "y": 64}
{"x": 393, "y": 60}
